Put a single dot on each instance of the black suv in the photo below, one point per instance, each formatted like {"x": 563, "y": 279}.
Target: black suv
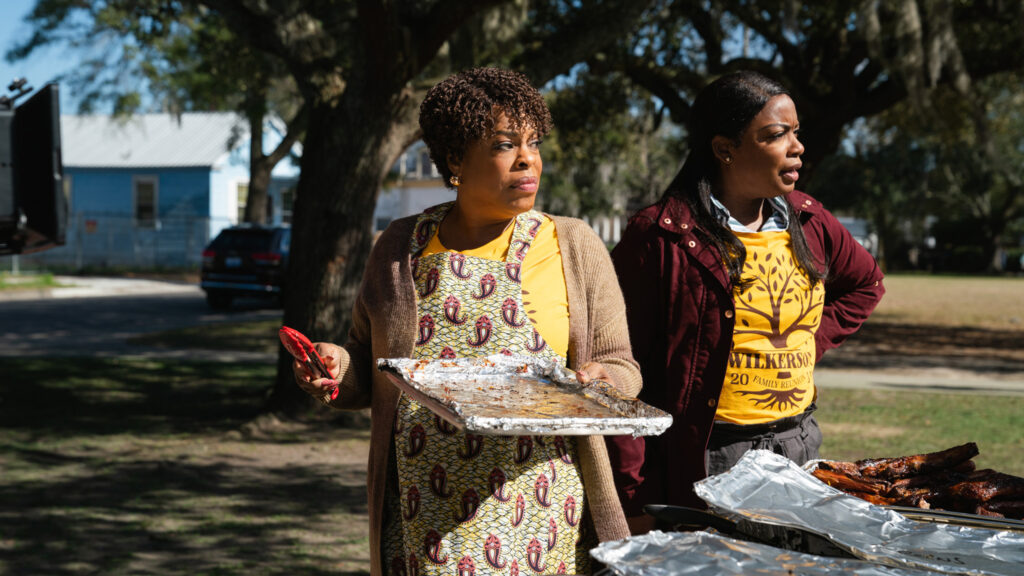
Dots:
{"x": 245, "y": 261}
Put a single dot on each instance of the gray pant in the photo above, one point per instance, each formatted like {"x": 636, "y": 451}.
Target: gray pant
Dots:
{"x": 797, "y": 438}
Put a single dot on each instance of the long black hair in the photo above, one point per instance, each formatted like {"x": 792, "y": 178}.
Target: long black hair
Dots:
{"x": 726, "y": 107}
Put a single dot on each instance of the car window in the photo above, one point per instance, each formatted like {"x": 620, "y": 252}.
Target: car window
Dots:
{"x": 244, "y": 241}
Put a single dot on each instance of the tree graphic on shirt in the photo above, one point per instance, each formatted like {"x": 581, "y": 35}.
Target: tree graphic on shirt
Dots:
{"x": 779, "y": 400}
{"x": 783, "y": 283}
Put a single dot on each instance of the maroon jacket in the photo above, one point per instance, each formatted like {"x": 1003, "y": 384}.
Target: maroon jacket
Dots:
{"x": 680, "y": 311}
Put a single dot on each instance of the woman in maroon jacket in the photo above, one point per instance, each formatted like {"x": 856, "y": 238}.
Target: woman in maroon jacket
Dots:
{"x": 735, "y": 286}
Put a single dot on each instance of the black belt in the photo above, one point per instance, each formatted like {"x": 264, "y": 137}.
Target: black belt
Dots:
{"x": 728, "y": 430}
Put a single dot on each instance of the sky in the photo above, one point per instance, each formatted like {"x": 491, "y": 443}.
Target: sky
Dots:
{"x": 43, "y": 66}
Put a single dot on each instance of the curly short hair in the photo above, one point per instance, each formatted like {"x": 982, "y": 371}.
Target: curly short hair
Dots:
{"x": 460, "y": 110}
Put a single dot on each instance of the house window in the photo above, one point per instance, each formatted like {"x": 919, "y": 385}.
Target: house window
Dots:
{"x": 410, "y": 165}
{"x": 287, "y": 201}
{"x": 243, "y": 197}
{"x": 66, "y": 184}
{"x": 144, "y": 191}
{"x": 426, "y": 166}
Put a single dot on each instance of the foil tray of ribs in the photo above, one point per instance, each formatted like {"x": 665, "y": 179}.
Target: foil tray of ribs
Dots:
{"x": 946, "y": 484}
{"x": 768, "y": 489}
{"x": 516, "y": 395}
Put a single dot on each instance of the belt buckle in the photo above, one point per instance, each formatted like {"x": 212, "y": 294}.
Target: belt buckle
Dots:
{"x": 784, "y": 424}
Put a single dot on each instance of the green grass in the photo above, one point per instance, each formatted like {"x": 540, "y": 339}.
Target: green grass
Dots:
{"x": 173, "y": 273}
{"x": 259, "y": 336}
{"x": 10, "y": 282}
{"x": 129, "y": 466}
{"x": 167, "y": 467}
{"x": 980, "y": 302}
{"x": 962, "y": 322}
{"x": 879, "y": 423}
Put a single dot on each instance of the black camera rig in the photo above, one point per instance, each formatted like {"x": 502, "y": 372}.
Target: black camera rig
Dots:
{"x": 33, "y": 208}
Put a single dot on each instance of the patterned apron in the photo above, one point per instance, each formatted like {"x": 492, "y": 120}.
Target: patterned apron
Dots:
{"x": 466, "y": 504}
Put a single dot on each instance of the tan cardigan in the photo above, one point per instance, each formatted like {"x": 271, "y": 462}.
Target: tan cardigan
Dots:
{"x": 384, "y": 326}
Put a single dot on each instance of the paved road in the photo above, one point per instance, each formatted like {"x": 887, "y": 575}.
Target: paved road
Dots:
{"x": 97, "y": 316}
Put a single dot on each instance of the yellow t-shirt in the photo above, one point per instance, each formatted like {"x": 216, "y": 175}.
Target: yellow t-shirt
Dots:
{"x": 770, "y": 374}
{"x": 543, "y": 281}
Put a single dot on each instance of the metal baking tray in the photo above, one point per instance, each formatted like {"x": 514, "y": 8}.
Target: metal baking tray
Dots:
{"x": 771, "y": 489}
{"x": 514, "y": 395}
{"x": 959, "y": 518}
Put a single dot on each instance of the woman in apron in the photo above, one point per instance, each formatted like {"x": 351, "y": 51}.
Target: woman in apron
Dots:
{"x": 485, "y": 274}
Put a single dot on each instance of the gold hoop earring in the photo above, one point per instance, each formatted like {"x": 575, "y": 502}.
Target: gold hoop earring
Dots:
{"x": 454, "y": 180}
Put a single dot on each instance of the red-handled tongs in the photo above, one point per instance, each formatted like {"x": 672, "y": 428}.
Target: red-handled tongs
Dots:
{"x": 302, "y": 349}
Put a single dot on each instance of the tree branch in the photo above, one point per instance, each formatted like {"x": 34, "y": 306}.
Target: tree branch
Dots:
{"x": 880, "y": 98}
{"x": 583, "y": 34}
{"x": 664, "y": 86}
{"x": 770, "y": 30}
{"x": 293, "y": 132}
{"x": 292, "y": 33}
{"x": 254, "y": 23}
{"x": 430, "y": 32}
{"x": 707, "y": 23}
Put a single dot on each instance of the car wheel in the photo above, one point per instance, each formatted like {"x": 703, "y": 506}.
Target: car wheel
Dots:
{"x": 218, "y": 301}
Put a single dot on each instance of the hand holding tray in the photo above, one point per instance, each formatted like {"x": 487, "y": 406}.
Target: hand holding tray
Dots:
{"x": 517, "y": 395}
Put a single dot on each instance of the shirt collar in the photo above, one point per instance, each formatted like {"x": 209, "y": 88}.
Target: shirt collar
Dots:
{"x": 777, "y": 221}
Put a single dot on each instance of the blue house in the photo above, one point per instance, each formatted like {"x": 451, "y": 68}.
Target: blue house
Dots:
{"x": 152, "y": 190}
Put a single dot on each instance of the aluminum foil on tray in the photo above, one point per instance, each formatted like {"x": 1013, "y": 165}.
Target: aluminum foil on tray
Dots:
{"x": 517, "y": 395}
{"x": 768, "y": 488}
{"x": 709, "y": 554}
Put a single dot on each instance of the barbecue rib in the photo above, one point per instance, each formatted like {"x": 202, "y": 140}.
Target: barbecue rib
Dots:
{"x": 905, "y": 466}
{"x": 986, "y": 485}
{"x": 905, "y": 487}
{"x": 848, "y": 483}
{"x": 848, "y": 468}
{"x": 874, "y": 498}
{"x": 944, "y": 480}
{"x": 1004, "y": 508}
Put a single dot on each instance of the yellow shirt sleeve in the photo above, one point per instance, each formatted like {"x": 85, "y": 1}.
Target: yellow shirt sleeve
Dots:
{"x": 545, "y": 298}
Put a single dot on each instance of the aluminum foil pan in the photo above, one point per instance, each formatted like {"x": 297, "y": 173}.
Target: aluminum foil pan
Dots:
{"x": 516, "y": 395}
{"x": 709, "y": 554}
{"x": 768, "y": 488}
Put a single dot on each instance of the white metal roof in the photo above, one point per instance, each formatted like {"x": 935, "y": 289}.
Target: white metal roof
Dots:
{"x": 149, "y": 140}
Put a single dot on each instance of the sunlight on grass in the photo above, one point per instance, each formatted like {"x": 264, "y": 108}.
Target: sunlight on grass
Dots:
{"x": 878, "y": 423}
{"x": 981, "y": 302}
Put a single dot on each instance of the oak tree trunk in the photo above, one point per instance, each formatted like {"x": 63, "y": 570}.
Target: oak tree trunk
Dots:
{"x": 259, "y": 185}
{"x": 346, "y": 154}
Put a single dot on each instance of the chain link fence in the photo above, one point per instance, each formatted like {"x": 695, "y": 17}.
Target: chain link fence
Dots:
{"x": 101, "y": 240}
